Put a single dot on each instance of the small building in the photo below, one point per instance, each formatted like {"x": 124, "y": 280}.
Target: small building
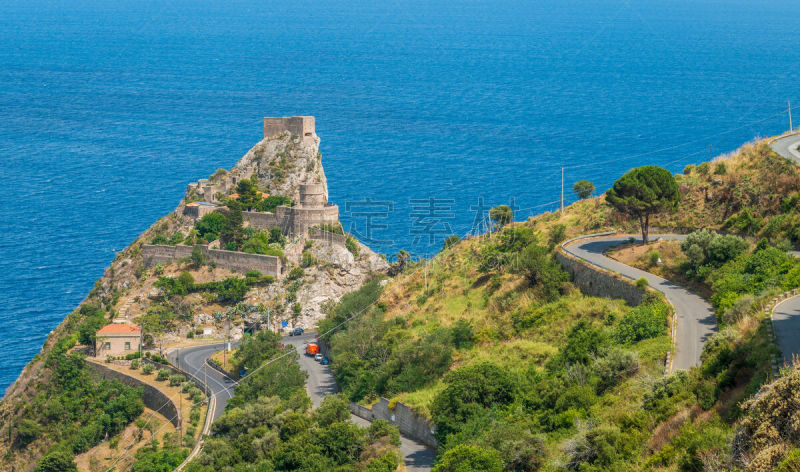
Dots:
{"x": 117, "y": 339}
{"x": 197, "y": 210}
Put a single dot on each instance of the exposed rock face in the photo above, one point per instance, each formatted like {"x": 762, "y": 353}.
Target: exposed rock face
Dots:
{"x": 282, "y": 163}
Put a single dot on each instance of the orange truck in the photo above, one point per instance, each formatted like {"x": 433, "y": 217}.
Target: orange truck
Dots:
{"x": 312, "y": 349}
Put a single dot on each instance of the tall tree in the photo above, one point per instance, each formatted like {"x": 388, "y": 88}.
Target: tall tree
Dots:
{"x": 642, "y": 192}
{"x": 501, "y": 215}
{"x": 583, "y": 189}
{"x": 231, "y": 235}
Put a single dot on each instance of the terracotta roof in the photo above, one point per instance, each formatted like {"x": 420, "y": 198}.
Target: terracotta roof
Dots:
{"x": 119, "y": 328}
{"x": 193, "y": 204}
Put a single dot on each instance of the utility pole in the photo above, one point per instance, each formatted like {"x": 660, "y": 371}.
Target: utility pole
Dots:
{"x": 710, "y": 152}
{"x": 790, "y": 116}
{"x": 562, "y": 190}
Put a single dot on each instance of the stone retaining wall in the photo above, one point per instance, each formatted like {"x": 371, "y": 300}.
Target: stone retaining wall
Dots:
{"x": 596, "y": 281}
{"x": 409, "y": 423}
{"x": 232, "y": 260}
{"x": 153, "y": 398}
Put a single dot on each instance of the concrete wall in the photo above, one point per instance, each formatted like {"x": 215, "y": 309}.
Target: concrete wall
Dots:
{"x": 238, "y": 261}
{"x": 298, "y": 125}
{"x": 409, "y": 423}
{"x": 153, "y": 398}
{"x": 597, "y": 282}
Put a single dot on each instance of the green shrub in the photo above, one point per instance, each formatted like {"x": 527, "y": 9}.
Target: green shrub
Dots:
{"x": 501, "y": 215}
{"x": 688, "y": 169}
{"x": 351, "y": 244}
{"x": 558, "y": 233}
{"x": 210, "y": 225}
{"x": 721, "y": 169}
{"x": 307, "y": 260}
{"x": 135, "y": 364}
{"x": 466, "y": 458}
{"x": 163, "y": 374}
{"x": 296, "y": 273}
{"x": 27, "y": 432}
{"x": 648, "y": 320}
{"x": 467, "y": 391}
{"x": 176, "y": 379}
{"x": 583, "y": 189}
{"x": 642, "y": 283}
{"x": 451, "y": 241}
{"x": 147, "y": 368}
{"x": 702, "y": 169}
{"x": 653, "y": 257}
{"x": 57, "y": 460}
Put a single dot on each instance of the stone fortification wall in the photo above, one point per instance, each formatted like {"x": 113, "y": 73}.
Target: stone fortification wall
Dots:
{"x": 409, "y": 423}
{"x": 261, "y": 219}
{"x": 153, "y": 398}
{"x": 301, "y": 219}
{"x": 332, "y": 238}
{"x": 313, "y": 195}
{"x": 238, "y": 261}
{"x": 297, "y": 125}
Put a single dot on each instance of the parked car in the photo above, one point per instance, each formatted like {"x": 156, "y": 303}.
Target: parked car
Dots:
{"x": 296, "y": 332}
{"x": 325, "y": 361}
{"x": 318, "y": 357}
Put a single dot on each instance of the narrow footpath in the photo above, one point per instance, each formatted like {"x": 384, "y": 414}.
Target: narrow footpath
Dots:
{"x": 695, "y": 318}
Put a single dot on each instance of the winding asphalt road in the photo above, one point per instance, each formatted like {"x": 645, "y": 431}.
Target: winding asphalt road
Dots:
{"x": 320, "y": 383}
{"x": 786, "y": 315}
{"x": 787, "y": 146}
{"x": 695, "y": 317}
{"x": 193, "y": 361}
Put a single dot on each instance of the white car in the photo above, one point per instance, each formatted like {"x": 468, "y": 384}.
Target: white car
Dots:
{"x": 318, "y": 357}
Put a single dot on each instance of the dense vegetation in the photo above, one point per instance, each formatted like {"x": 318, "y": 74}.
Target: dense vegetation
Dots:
{"x": 268, "y": 424}
{"x": 528, "y": 374}
{"x": 504, "y": 355}
{"x": 75, "y": 411}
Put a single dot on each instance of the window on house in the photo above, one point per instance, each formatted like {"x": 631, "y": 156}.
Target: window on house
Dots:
{"x": 108, "y": 346}
{"x": 128, "y": 346}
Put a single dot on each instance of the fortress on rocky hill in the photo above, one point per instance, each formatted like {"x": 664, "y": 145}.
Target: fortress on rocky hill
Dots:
{"x": 300, "y": 220}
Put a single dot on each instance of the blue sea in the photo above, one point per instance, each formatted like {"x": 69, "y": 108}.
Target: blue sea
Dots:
{"x": 424, "y": 108}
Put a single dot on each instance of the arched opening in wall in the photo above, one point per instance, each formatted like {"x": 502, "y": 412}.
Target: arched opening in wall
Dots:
{"x": 308, "y": 134}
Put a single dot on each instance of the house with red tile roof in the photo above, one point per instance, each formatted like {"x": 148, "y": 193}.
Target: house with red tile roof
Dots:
{"x": 117, "y": 339}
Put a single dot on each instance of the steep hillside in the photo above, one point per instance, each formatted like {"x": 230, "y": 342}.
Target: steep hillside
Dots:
{"x": 56, "y": 407}
{"x": 491, "y": 342}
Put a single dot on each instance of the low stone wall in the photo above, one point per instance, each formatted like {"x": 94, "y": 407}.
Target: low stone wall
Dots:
{"x": 409, "y": 423}
{"x": 332, "y": 238}
{"x": 238, "y": 261}
{"x": 596, "y": 281}
{"x": 153, "y": 398}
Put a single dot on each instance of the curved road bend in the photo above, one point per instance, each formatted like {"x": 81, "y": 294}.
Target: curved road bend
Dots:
{"x": 786, "y": 315}
{"x": 787, "y": 147}
{"x": 416, "y": 456}
{"x": 193, "y": 361}
{"x": 695, "y": 317}
{"x": 320, "y": 383}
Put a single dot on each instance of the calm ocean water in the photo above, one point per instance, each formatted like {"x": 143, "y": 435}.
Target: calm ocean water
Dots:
{"x": 108, "y": 109}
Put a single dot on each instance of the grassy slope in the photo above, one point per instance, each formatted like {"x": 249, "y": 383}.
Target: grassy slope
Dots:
{"x": 752, "y": 192}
